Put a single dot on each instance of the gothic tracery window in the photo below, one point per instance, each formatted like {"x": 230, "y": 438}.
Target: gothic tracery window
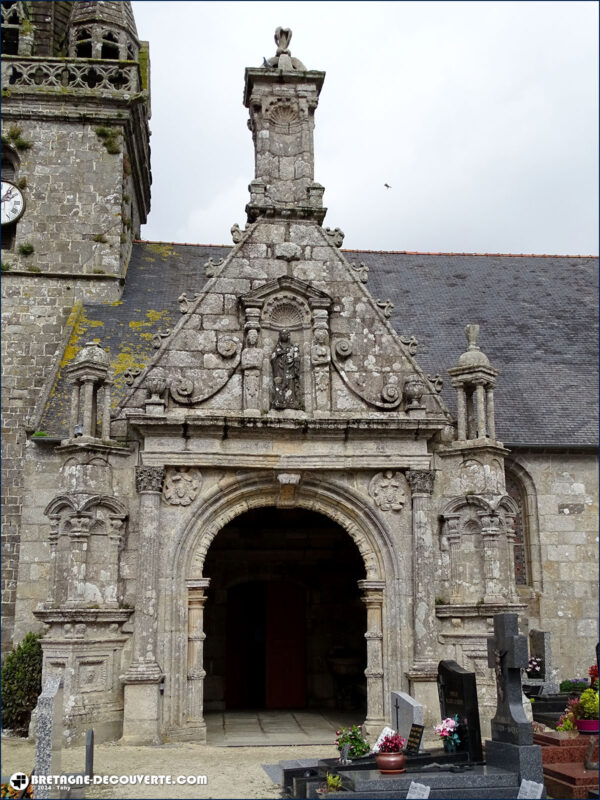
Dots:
{"x": 515, "y": 490}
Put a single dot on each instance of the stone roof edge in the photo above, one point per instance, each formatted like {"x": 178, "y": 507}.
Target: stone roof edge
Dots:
{"x": 390, "y": 252}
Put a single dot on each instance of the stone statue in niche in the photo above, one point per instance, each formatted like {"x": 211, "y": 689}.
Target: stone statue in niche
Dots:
{"x": 285, "y": 365}
{"x": 252, "y": 360}
{"x": 320, "y": 357}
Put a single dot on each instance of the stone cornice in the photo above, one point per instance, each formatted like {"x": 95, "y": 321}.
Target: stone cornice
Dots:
{"x": 478, "y": 609}
{"x": 85, "y": 615}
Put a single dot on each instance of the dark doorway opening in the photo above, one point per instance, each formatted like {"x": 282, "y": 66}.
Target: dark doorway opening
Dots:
{"x": 266, "y": 646}
{"x": 284, "y": 620}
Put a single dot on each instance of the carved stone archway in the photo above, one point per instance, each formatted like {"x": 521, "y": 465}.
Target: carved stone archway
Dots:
{"x": 183, "y": 710}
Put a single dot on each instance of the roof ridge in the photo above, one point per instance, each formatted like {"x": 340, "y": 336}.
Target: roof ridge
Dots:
{"x": 491, "y": 255}
{"x": 394, "y": 252}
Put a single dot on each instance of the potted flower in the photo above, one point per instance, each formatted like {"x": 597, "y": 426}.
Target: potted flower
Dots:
{"x": 447, "y": 730}
{"x": 581, "y": 713}
{"x": 353, "y": 737}
{"x": 390, "y": 758}
{"x": 593, "y": 673}
{"x": 534, "y": 667}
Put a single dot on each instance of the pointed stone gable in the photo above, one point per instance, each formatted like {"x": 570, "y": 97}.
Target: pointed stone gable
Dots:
{"x": 288, "y": 276}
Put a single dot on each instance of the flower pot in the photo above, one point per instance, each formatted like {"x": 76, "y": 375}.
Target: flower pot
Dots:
{"x": 390, "y": 763}
{"x": 587, "y": 725}
{"x": 449, "y": 746}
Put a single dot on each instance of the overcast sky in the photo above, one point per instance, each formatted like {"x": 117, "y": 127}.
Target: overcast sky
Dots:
{"x": 482, "y": 116}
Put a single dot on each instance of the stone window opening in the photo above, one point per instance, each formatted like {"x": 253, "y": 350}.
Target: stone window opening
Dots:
{"x": 83, "y": 45}
{"x": 13, "y": 14}
{"x": 109, "y": 46}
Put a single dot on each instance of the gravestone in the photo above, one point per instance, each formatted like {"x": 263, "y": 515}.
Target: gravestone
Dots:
{"x": 512, "y": 735}
{"x": 457, "y": 691}
{"x": 49, "y": 732}
{"x": 417, "y": 790}
{"x": 406, "y": 712}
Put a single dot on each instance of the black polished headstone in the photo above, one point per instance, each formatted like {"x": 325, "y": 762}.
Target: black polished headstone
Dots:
{"x": 413, "y": 741}
{"x": 508, "y": 655}
{"x": 457, "y": 691}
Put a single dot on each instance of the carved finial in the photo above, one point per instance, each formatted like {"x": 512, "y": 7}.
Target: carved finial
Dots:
{"x": 472, "y": 332}
{"x": 283, "y": 37}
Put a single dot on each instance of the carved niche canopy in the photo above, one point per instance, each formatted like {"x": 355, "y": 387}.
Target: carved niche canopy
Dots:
{"x": 286, "y": 303}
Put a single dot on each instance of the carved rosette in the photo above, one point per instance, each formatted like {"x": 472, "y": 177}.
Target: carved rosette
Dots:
{"x": 387, "y": 490}
{"x": 149, "y": 479}
{"x": 182, "y": 486}
{"x": 420, "y": 481}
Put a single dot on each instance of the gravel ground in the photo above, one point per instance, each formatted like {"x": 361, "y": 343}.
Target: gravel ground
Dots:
{"x": 231, "y": 772}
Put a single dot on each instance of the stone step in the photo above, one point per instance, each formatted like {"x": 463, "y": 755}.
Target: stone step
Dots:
{"x": 560, "y": 739}
{"x": 569, "y": 781}
{"x": 555, "y": 755}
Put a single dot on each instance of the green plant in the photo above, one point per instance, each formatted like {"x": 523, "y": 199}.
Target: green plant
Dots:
{"x": 31, "y": 268}
{"x": 39, "y": 434}
{"x": 21, "y": 683}
{"x": 22, "y": 183}
{"x": 334, "y": 782}
{"x": 5, "y": 267}
{"x": 110, "y": 139}
{"x": 441, "y": 601}
{"x": 98, "y": 272}
{"x": 100, "y": 237}
{"x": 13, "y": 137}
{"x": 588, "y": 704}
{"x": 354, "y": 737}
{"x": 26, "y": 249}
{"x": 576, "y": 685}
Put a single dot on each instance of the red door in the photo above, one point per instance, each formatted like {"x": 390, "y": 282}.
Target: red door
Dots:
{"x": 285, "y": 646}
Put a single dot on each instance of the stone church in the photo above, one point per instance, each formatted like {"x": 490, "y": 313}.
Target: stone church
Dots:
{"x": 275, "y": 474}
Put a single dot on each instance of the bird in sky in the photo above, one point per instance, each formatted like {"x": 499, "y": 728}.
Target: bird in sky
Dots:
{"x": 387, "y": 186}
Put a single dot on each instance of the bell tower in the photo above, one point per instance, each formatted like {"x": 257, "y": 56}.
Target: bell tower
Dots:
{"x": 282, "y": 97}
{"x": 76, "y": 156}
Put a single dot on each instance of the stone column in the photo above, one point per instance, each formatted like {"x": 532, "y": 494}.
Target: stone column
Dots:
{"x": 89, "y": 418}
{"x": 141, "y": 716}
{"x": 79, "y": 532}
{"x": 373, "y": 599}
{"x": 74, "y": 417}
{"x": 106, "y": 411}
{"x": 511, "y": 539}
{"x": 421, "y": 485}
{"x": 453, "y": 538}
{"x": 470, "y": 420}
{"x": 195, "y": 661}
{"x": 461, "y": 412}
{"x": 491, "y": 417}
{"x": 53, "y": 542}
{"x": 111, "y": 564}
{"x": 480, "y": 395}
{"x": 490, "y": 533}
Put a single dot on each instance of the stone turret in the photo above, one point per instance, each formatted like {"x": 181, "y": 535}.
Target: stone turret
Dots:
{"x": 282, "y": 97}
{"x": 474, "y": 380}
{"x": 103, "y": 30}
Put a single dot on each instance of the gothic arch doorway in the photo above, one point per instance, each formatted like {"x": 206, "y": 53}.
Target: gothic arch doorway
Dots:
{"x": 284, "y": 621}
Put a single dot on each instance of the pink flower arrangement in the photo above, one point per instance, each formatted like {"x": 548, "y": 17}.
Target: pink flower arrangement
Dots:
{"x": 392, "y": 743}
{"x": 447, "y": 729}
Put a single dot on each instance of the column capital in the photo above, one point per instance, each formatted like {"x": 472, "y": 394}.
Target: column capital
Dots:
{"x": 420, "y": 481}
{"x": 149, "y": 480}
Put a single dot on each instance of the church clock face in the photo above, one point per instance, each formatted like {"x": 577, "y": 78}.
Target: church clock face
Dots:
{"x": 13, "y": 202}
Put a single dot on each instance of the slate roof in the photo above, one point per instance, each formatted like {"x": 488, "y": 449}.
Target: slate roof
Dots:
{"x": 538, "y": 318}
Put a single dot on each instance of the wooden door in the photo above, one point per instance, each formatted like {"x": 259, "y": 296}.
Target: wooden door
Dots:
{"x": 285, "y": 645}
